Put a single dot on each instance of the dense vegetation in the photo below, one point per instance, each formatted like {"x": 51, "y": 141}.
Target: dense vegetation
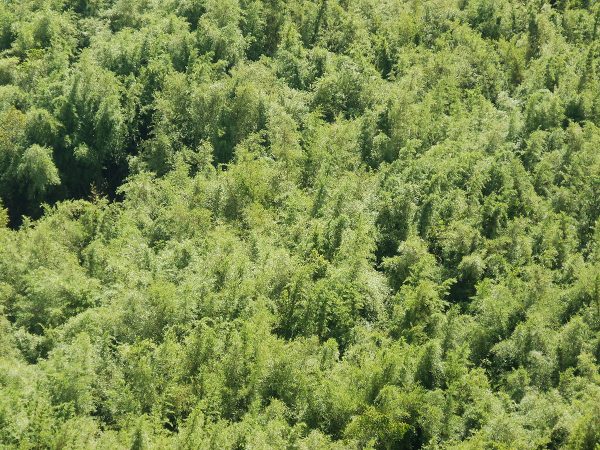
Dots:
{"x": 299, "y": 224}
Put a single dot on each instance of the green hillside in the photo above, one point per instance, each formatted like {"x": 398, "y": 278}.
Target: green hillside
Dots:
{"x": 299, "y": 224}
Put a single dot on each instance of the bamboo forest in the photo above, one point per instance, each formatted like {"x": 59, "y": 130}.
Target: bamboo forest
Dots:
{"x": 299, "y": 224}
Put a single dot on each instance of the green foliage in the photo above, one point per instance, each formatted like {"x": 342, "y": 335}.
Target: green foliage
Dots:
{"x": 37, "y": 170}
{"x": 304, "y": 224}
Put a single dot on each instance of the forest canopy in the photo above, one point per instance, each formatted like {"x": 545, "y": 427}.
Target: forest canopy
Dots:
{"x": 299, "y": 224}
